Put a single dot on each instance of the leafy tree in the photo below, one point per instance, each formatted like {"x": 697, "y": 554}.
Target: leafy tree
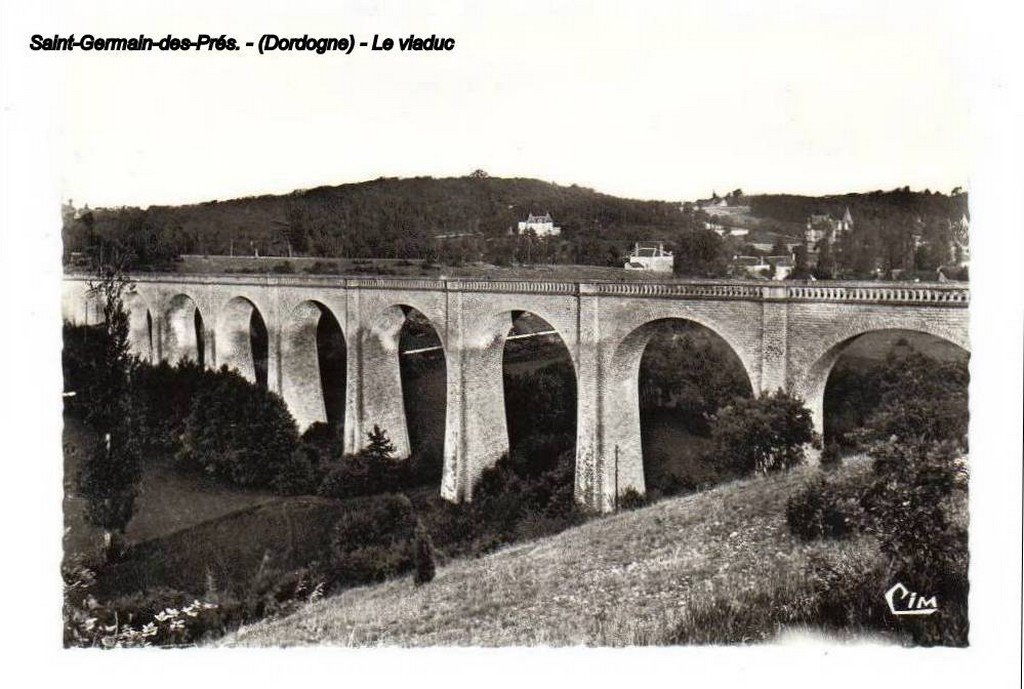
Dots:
{"x": 238, "y": 432}
{"x": 763, "y": 434}
{"x": 801, "y": 270}
{"x": 686, "y": 369}
{"x": 920, "y": 400}
{"x": 700, "y": 253}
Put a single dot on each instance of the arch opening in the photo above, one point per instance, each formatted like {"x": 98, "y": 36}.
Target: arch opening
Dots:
{"x": 140, "y": 327}
{"x": 892, "y": 382}
{"x": 670, "y": 376}
{"x": 687, "y": 372}
{"x": 539, "y": 386}
{"x": 242, "y": 341}
{"x": 259, "y": 342}
{"x": 424, "y": 379}
{"x": 312, "y": 371}
{"x": 331, "y": 362}
{"x": 185, "y": 337}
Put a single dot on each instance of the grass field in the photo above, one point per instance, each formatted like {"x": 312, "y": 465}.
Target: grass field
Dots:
{"x": 631, "y": 578}
{"x": 168, "y": 500}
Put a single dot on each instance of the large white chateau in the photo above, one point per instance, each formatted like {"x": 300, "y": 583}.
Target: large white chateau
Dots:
{"x": 542, "y": 225}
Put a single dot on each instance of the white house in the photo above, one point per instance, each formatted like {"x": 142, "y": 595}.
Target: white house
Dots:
{"x": 759, "y": 266}
{"x": 650, "y": 256}
{"x": 542, "y": 225}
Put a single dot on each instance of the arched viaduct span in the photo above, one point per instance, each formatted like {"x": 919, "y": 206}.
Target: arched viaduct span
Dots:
{"x": 786, "y": 335}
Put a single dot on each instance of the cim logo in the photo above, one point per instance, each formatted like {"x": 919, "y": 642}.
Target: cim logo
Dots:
{"x": 903, "y": 601}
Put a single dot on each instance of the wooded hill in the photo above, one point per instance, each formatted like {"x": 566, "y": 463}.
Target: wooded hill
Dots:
{"x": 385, "y": 218}
{"x": 469, "y": 218}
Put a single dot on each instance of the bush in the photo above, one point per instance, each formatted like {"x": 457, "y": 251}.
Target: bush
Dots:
{"x": 238, "y": 432}
{"x": 820, "y": 510}
{"x": 423, "y": 556}
{"x": 164, "y": 396}
{"x": 373, "y": 542}
{"x": 301, "y": 474}
{"x": 367, "y": 472}
{"x": 908, "y": 506}
{"x": 921, "y": 401}
{"x": 631, "y": 500}
{"x": 831, "y": 459}
{"x": 763, "y": 434}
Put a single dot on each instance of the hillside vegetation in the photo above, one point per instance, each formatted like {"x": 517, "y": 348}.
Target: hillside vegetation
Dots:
{"x": 718, "y": 566}
{"x": 460, "y": 220}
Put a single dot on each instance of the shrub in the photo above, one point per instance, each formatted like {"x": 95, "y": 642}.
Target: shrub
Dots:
{"x": 820, "y": 510}
{"x": 373, "y": 541}
{"x": 908, "y": 506}
{"x": 830, "y": 457}
{"x": 369, "y": 471}
{"x": 301, "y": 474}
{"x": 283, "y": 268}
{"x": 423, "y": 556}
{"x": 922, "y": 401}
{"x": 164, "y": 396}
{"x": 238, "y": 432}
{"x": 763, "y": 434}
{"x": 325, "y": 438}
{"x": 631, "y": 500}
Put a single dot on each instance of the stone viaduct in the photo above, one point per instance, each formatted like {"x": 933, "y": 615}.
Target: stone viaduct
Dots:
{"x": 787, "y": 335}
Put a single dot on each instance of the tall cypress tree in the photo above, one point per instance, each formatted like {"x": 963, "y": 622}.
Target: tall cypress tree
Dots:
{"x": 110, "y": 473}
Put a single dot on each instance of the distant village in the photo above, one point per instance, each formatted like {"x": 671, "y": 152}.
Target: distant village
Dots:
{"x": 771, "y": 255}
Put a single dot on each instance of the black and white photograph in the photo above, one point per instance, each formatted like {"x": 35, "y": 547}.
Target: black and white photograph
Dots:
{"x": 638, "y": 336}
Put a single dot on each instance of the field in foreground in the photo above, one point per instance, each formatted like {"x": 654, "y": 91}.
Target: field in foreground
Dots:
{"x": 643, "y": 577}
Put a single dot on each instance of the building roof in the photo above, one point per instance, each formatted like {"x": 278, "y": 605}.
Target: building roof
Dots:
{"x": 539, "y": 218}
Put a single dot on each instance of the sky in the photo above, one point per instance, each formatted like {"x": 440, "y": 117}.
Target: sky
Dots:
{"x": 654, "y": 101}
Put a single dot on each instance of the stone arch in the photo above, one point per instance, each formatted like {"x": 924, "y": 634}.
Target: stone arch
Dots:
{"x": 185, "y": 335}
{"x": 302, "y": 386}
{"x": 485, "y": 435}
{"x": 141, "y": 334}
{"x": 623, "y": 397}
{"x": 810, "y": 382}
{"x": 379, "y": 392}
{"x": 240, "y": 339}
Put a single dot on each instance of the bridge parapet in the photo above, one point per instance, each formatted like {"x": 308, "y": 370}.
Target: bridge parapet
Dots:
{"x": 881, "y": 293}
{"x": 395, "y": 283}
{"x": 941, "y": 294}
{"x": 678, "y": 289}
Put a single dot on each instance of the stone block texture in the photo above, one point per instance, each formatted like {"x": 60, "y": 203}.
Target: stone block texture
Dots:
{"x": 785, "y": 336}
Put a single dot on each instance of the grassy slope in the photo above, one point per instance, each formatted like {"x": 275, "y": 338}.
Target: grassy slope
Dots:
{"x": 624, "y": 579}
{"x": 168, "y": 500}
